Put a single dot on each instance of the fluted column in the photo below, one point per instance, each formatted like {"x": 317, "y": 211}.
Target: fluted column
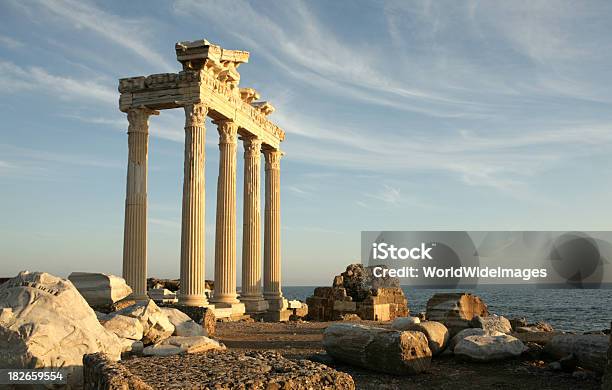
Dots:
{"x": 272, "y": 246}
{"x": 193, "y": 224}
{"x": 251, "y": 294}
{"x": 225, "y": 237}
{"x": 135, "y": 228}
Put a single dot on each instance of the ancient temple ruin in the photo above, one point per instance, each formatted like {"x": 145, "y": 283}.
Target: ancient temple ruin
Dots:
{"x": 208, "y": 87}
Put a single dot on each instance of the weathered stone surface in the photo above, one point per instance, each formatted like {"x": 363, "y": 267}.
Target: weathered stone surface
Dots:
{"x": 357, "y": 291}
{"x": 455, "y": 310}
{"x": 469, "y": 332}
{"x": 590, "y": 350}
{"x": 489, "y": 348}
{"x": 404, "y": 323}
{"x": 46, "y": 323}
{"x": 194, "y": 343}
{"x": 156, "y": 326}
{"x": 541, "y": 338}
{"x": 213, "y": 370}
{"x": 294, "y": 304}
{"x": 436, "y": 333}
{"x": 183, "y": 324}
{"x": 100, "y": 289}
{"x": 537, "y": 327}
{"x": 178, "y": 344}
{"x": 492, "y": 323}
{"x": 102, "y": 373}
{"x": 378, "y": 349}
{"x": 125, "y": 327}
{"x": 162, "y": 350}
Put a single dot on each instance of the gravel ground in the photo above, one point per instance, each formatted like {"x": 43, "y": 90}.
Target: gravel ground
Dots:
{"x": 299, "y": 340}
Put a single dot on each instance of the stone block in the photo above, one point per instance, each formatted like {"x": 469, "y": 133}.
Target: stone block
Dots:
{"x": 100, "y": 289}
{"x": 345, "y": 306}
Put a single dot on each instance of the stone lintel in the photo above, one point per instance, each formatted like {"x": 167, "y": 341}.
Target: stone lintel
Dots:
{"x": 195, "y": 54}
{"x": 175, "y": 90}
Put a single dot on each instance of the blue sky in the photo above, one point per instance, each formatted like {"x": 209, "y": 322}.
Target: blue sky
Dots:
{"x": 399, "y": 116}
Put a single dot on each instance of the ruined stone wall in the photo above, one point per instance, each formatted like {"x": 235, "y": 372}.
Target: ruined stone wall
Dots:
{"x": 100, "y": 373}
{"x": 357, "y": 291}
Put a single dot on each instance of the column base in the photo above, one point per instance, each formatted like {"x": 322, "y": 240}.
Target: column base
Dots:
{"x": 193, "y": 300}
{"x": 277, "y": 303}
{"x": 254, "y": 304}
{"x": 231, "y": 310}
{"x": 277, "y": 315}
{"x": 224, "y": 299}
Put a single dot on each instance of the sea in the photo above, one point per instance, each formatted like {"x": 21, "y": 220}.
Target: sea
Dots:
{"x": 577, "y": 310}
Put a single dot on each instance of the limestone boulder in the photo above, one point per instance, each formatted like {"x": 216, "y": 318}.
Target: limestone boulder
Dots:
{"x": 183, "y": 324}
{"x": 489, "y": 348}
{"x": 590, "y": 350}
{"x": 492, "y": 323}
{"x": 455, "y": 310}
{"x": 125, "y": 327}
{"x": 436, "y": 333}
{"x": 469, "y": 332}
{"x": 100, "y": 289}
{"x": 378, "y": 349}
{"x": 404, "y": 323}
{"x": 177, "y": 344}
{"x": 156, "y": 325}
{"x": 46, "y": 323}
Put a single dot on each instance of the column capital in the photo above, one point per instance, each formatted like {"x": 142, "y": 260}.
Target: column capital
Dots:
{"x": 252, "y": 146}
{"x": 195, "y": 114}
{"x": 138, "y": 119}
{"x": 273, "y": 157}
{"x": 228, "y": 131}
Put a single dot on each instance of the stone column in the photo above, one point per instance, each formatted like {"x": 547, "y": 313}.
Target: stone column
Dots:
{"x": 251, "y": 294}
{"x": 193, "y": 224}
{"x": 225, "y": 238}
{"x": 135, "y": 229}
{"x": 272, "y": 246}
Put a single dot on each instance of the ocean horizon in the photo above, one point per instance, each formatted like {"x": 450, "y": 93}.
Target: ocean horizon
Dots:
{"x": 571, "y": 310}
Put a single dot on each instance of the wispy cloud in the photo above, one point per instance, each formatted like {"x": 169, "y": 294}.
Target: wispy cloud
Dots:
{"x": 16, "y": 78}
{"x": 387, "y": 194}
{"x": 131, "y": 34}
{"x": 10, "y": 42}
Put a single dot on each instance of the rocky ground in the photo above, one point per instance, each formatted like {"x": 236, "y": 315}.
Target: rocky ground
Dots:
{"x": 300, "y": 340}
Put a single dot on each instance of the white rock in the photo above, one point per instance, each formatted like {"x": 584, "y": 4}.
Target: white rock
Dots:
{"x": 155, "y": 324}
{"x": 194, "y": 344}
{"x": 294, "y": 304}
{"x": 470, "y": 332}
{"x": 125, "y": 327}
{"x": 492, "y": 323}
{"x": 183, "y": 324}
{"x": 489, "y": 348}
{"x": 100, "y": 289}
{"x": 131, "y": 346}
{"x": 437, "y": 334}
{"x": 46, "y": 323}
{"x": 161, "y": 350}
{"x": 403, "y": 323}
